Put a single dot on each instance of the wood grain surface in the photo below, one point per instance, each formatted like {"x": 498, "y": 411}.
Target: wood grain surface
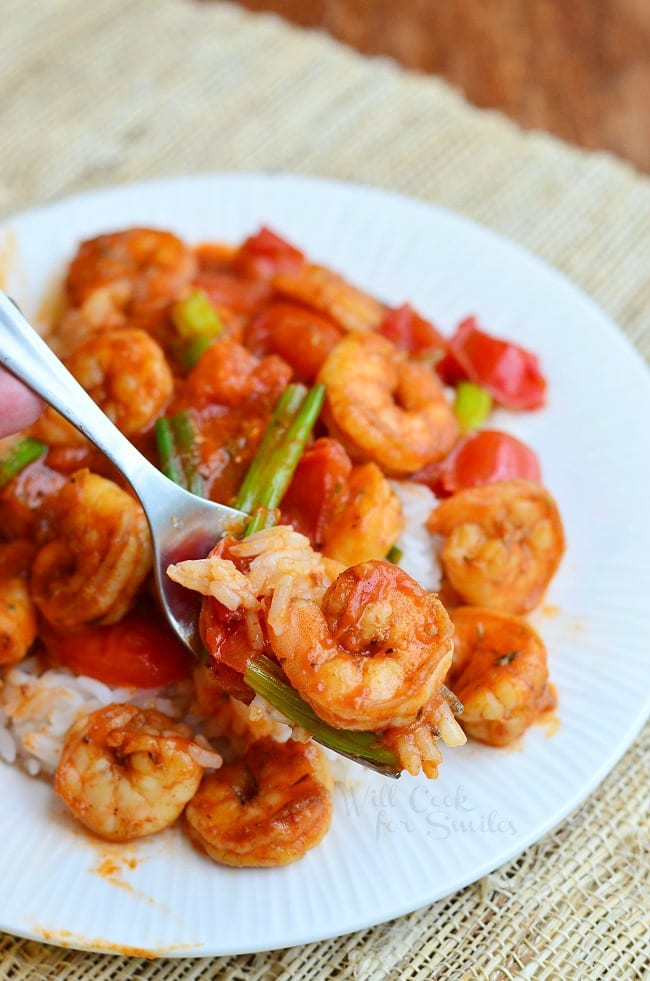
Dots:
{"x": 577, "y": 68}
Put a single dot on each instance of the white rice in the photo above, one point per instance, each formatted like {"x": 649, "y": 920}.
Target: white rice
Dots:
{"x": 37, "y": 709}
{"x": 420, "y": 548}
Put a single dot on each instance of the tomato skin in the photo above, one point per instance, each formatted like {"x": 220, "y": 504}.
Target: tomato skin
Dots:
{"x": 302, "y": 337}
{"x": 510, "y": 373}
{"x": 226, "y": 640}
{"x": 318, "y": 489}
{"x": 139, "y": 650}
{"x": 482, "y": 458}
{"x": 225, "y": 635}
{"x": 265, "y": 254}
{"x": 411, "y": 332}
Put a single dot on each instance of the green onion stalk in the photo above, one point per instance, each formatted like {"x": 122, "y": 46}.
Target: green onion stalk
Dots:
{"x": 19, "y": 456}
{"x": 178, "y": 451}
{"x": 266, "y": 678}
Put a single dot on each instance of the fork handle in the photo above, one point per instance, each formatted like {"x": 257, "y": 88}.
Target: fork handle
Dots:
{"x": 24, "y": 353}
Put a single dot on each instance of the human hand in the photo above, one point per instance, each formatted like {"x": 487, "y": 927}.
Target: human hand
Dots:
{"x": 18, "y": 406}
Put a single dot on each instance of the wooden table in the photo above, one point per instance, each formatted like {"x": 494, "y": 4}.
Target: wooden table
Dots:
{"x": 577, "y": 68}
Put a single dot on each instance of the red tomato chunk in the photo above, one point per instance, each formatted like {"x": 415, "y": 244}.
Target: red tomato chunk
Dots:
{"x": 482, "y": 458}
{"x": 139, "y": 650}
{"x": 510, "y": 373}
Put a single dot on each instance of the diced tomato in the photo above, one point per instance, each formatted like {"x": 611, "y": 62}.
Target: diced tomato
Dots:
{"x": 226, "y": 639}
{"x": 482, "y": 458}
{"x": 408, "y": 330}
{"x": 225, "y": 634}
{"x": 510, "y": 373}
{"x": 265, "y": 254}
{"x": 318, "y": 489}
{"x": 301, "y": 336}
{"x": 139, "y": 650}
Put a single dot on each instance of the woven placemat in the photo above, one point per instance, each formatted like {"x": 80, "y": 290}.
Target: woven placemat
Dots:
{"x": 117, "y": 90}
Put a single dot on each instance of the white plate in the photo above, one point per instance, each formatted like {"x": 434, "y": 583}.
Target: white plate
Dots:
{"x": 397, "y": 846}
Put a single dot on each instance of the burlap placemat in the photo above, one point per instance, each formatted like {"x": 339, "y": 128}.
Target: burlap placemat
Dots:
{"x": 117, "y": 90}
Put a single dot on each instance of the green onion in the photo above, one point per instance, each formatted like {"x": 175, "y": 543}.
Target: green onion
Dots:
{"x": 278, "y": 454}
{"x": 169, "y": 463}
{"x": 266, "y": 679}
{"x": 195, "y": 317}
{"x": 20, "y": 455}
{"x": 197, "y": 323}
{"x": 189, "y": 452}
{"x": 472, "y": 405}
{"x": 262, "y": 519}
{"x": 284, "y": 459}
{"x": 179, "y": 456}
{"x": 394, "y": 555}
{"x": 285, "y": 410}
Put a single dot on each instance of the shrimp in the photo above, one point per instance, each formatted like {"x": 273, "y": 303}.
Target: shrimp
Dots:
{"x": 266, "y": 809}
{"x": 98, "y": 556}
{"x": 375, "y": 653}
{"x": 229, "y": 375}
{"x": 385, "y": 408}
{"x": 370, "y": 522}
{"x": 18, "y": 623}
{"x": 151, "y": 268}
{"x": 499, "y": 672}
{"x": 504, "y": 542}
{"x": 326, "y": 291}
{"x": 126, "y": 373}
{"x": 126, "y": 772}
{"x": 102, "y": 310}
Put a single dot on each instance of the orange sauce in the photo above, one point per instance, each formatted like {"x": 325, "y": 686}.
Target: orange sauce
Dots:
{"x": 65, "y": 938}
{"x": 549, "y": 610}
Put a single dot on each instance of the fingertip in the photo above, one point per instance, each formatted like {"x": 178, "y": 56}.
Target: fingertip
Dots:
{"x": 19, "y": 407}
